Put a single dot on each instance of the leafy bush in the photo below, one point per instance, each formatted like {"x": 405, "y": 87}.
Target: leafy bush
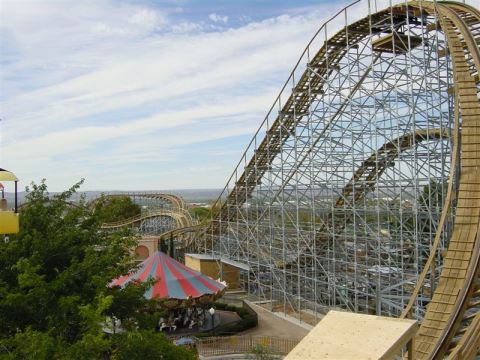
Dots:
{"x": 248, "y": 320}
{"x": 148, "y": 345}
{"x": 54, "y": 297}
{"x": 201, "y": 213}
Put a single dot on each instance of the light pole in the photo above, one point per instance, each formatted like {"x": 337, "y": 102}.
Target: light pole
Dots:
{"x": 212, "y": 313}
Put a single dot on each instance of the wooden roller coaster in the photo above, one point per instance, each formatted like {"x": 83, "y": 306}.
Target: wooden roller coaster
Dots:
{"x": 451, "y": 325}
{"x": 174, "y": 201}
{"x": 173, "y": 207}
{"x": 182, "y": 219}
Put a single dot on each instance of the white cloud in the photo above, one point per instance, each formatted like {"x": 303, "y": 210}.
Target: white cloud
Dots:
{"x": 90, "y": 89}
{"x": 186, "y": 27}
{"x": 218, "y": 18}
{"x": 147, "y": 18}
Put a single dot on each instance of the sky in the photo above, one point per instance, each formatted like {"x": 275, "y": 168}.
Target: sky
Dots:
{"x": 146, "y": 94}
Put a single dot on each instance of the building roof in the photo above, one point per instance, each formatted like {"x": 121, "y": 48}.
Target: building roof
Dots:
{"x": 209, "y": 257}
{"x": 203, "y": 257}
{"x": 343, "y": 335}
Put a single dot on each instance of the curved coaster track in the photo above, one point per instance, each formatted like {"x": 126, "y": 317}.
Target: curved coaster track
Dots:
{"x": 160, "y": 200}
{"x": 166, "y": 214}
{"x": 181, "y": 218}
{"x": 361, "y": 188}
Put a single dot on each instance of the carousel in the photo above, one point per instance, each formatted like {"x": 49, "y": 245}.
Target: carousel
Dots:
{"x": 186, "y": 293}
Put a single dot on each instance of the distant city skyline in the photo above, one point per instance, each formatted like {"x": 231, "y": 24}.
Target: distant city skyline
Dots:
{"x": 142, "y": 94}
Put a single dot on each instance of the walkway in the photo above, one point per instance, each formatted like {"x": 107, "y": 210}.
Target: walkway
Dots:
{"x": 270, "y": 324}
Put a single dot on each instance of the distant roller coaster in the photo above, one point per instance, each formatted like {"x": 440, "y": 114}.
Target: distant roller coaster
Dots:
{"x": 164, "y": 213}
{"x": 152, "y": 199}
{"x": 361, "y": 188}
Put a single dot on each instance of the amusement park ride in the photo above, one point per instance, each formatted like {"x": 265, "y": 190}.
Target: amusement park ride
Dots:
{"x": 361, "y": 189}
{"x": 9, "y": 218}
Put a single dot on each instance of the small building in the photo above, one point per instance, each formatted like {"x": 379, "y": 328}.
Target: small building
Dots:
{"x": 217, "y": 268}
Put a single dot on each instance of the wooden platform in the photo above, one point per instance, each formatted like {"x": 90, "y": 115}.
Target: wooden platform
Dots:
{"x": 342, "y": 335}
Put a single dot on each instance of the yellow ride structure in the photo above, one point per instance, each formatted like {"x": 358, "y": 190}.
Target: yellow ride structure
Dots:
{"x": 9, "y": 219}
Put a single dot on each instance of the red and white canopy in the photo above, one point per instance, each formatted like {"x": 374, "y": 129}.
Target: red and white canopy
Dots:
{"x": 173, "y": 280}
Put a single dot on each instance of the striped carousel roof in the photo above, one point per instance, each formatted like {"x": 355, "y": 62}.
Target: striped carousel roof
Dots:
{"x": 175, "y": 280}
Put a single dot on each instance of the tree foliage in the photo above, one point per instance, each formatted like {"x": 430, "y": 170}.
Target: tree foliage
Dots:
{"x": 201, "y": 213}
{"x": 54, "y": 294}
{"x": 154, "y": 346}
{"x": 109, "y": 209}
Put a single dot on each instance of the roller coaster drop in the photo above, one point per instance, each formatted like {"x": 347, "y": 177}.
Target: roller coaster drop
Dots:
{"x": 366, "y": 171}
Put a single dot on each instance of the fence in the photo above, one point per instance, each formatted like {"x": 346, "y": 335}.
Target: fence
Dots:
{"x": 213, "y": 346}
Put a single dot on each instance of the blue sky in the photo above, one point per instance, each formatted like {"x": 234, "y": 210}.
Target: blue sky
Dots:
{"x": 142, "y": 94}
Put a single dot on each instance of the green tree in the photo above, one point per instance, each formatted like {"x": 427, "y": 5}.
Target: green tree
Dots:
{"x": 109, "y": 209}
{"x": 201, "y": 213}
{"x": 54, "y": 276}
{"x": 30, "y": 344}
{"x": 146, "y": 344}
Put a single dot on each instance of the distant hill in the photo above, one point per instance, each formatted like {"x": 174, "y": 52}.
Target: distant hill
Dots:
{"x": 209, "y": 195}
{"x": 190, "y": 195}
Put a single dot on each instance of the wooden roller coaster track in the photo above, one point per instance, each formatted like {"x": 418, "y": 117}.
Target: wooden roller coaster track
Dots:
{"x": 182, "y": 219}
{"x": 366, "y": 176}
{"x": 185, "y": 226}
{"x": 176, "y": 201}
{"x": 309, "y": 87}
{"x": 296, "y": 107}
{"x": 450, "y": 325}
{"x": 368, "y": 173}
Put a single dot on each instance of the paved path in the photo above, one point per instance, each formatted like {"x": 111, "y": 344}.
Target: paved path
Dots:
{"x": 270, "y": 324}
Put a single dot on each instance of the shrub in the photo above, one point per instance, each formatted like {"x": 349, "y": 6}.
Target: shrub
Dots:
{"x": 248, "y": 320}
